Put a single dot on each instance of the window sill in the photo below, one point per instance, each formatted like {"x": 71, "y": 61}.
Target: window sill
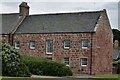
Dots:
{"x": 32, "y": 48}
{"x": 84, "y": 47}
{"x": 68, "y": 65}
{"x": 48, "y": 53}
{"x": 66, "y": 47}
{"x": 83, "y": 65}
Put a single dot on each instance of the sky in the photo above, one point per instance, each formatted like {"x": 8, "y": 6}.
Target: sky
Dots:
{"x": 63, "y": 6}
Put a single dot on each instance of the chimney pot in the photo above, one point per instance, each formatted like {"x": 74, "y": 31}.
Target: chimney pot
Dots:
{"x": 23, "y": 9}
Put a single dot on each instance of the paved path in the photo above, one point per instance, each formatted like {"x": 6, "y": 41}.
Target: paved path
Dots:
{"x": 59, "y": 78}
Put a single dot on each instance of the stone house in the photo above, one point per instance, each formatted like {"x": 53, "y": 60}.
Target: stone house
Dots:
{"x": 80, "y": 40}
{"x": 116, "y": 50}
{"x": 116, "y": 57}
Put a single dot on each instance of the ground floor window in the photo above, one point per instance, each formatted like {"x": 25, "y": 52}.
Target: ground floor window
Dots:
{"x": 66, "y": 61}
{"x": 83, "y": 62}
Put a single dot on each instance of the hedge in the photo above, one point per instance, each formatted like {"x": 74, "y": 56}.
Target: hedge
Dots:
{"x": 41, "y": 66}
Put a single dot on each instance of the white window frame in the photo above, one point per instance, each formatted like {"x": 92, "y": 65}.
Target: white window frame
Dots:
{"x": 16, "y": 44}
{"x": 81, "y": 62}
{"x": 31, "y": 43}
{"x": 66, "y": 61}
{"x": 66, "y": 47}
{"x": 84, "y": 43}
{"x": 47, "y": 47}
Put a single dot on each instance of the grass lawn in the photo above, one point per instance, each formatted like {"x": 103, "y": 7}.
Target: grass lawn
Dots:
{"x": 112, "y": 76}
{"x": 107, "y": 76}
{"x": 23, "y": 78}
{"x": 96, "y": 77}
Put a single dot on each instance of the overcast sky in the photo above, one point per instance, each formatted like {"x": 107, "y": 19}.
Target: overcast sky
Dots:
{"x": 52, "y": 6}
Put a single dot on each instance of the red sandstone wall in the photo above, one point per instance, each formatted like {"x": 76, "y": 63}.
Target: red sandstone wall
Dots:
{"x": 4, "y": 38}
{"x": 102, "y": 56}
{"x": 74, "y": 53}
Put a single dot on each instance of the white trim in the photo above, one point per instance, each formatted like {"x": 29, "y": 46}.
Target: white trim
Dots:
{"x": 48, "y": 52}
{"x": 67, "y": 61}
{"x": 65, "y": 43}
{"x": 16, "y": 45}
{"x": 84, "y": 47}
{"x": 96, "y": 27}
{"x": 46, "y": 48}
{"x": 66, "y": 47}
{"x": 32, "y": 43}
{"x": 67, "y": 65}
{"x": 32, "y": 47}
{"x": 83, "y": 44}
{"x": 81, "y": 62}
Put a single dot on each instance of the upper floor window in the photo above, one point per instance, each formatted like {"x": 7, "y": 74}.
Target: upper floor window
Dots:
{"x": 17, "y": 45}
{"x": 85, "y": 44}
{"x": 66, "y": 61}
{"x": 32, "y": 44}
{"x": 83, "y": 62}
{"x": 49, "y": 47}
{"x": 66, "y": 44}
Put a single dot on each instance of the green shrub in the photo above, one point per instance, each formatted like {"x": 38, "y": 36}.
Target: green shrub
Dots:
{"x": 11, "y": 62}
{"x": 23, "y": 71}
{"x": 116, "y": 63}
{"x": 38, "y": 66}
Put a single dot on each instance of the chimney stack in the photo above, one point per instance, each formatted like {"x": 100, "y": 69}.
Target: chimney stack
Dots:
{"x": 23, "y": 9}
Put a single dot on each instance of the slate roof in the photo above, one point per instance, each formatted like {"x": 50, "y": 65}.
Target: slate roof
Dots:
{"x": 50, "y": 23}
{"x": 8, "y": 22}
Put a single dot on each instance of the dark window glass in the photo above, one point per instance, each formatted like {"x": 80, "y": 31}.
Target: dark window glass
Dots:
{"x": 49, "y": 46}
{"x": 66, "y": 60}
{"x": 17, "y": 45}
{"x": 32, "y": 44}
{"x": 85, "y": 44}
{"x": 83, "y": 61}
{"x": 66, "y": 44}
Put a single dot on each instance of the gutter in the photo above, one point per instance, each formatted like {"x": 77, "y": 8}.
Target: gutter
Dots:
{"x": 91, "y": 57}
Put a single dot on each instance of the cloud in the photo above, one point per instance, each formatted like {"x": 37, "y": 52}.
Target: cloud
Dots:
{"x": 9, "y": 7}
{"x": 60, "y": 0}
{"x": 119, "y": 15}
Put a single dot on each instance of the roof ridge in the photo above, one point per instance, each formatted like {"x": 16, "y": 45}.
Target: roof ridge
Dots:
{"x": 66, "y": 13}
{"x": 56, "y": 13}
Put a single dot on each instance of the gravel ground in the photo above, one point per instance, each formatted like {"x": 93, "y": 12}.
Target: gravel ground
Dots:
{"x": 36, "y": 76}
{"x": 59, "y": 78}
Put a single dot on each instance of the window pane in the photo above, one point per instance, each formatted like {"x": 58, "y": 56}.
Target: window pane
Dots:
{"x": 49, "y": 46}
{"x": 66, "y": 61}
{"x": 32, "y": 44}
{"x": 17, "y": 45}
{"x": 85, "y": 44}
{"x": 66, "y": 43}
{"x": 83, "y": 62}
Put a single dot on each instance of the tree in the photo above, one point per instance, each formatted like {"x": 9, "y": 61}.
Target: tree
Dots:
{"x": 11, "y": 62}
{"x": 116, "y": 35}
